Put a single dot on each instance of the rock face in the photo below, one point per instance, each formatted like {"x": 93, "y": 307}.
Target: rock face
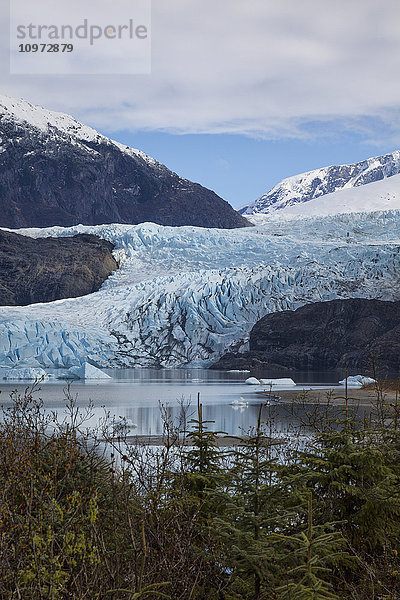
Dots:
{"x": 313, "y": 184}
{"x": 56, "y": 171}
{"x": 49, "y": 269}
{"x": 324, "y": 336}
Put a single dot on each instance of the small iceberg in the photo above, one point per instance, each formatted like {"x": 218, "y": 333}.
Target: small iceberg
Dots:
{"x": 124, "y": 423}
{"x": 357, "y": 380}
{"x": 240, "y": 404}
{"x": 285, "y": 381}
{"x": 238, "y": 371}
{"x": 28, "y": 374}
{"x": 252, "y": 381}
{"x": 85, "y": 371}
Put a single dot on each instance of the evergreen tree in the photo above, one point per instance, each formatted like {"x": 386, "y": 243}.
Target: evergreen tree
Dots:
{"x": 254, "y": 512}
{"x": 307, "y": 571}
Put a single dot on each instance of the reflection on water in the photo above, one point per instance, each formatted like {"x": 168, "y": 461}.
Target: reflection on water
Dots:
{"x": 137, "y": 393}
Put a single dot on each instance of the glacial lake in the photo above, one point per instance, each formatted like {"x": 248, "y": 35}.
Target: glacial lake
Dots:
{"x": 136, "y": 394}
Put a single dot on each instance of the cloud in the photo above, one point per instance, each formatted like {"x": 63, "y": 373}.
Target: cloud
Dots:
{"x": 259, "y": 68}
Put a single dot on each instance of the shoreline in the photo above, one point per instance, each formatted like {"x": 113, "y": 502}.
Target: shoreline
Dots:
{"x": 362, "y": 396}
{"x": 221, "y": 441}
{"x": 335, "y": 397}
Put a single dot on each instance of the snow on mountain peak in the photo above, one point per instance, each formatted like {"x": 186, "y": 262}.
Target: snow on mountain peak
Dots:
{"x": 21, "y": 111}
{"x": 327, "y": 180}
{"x": 375, "y": 196}
{"x": 57, "y": 171}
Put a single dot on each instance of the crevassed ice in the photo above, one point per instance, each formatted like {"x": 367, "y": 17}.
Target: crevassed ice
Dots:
{"x": 185, "y": 295}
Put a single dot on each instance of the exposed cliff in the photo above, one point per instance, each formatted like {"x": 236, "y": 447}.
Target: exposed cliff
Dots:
{"x": 42, "y": 270}
{"x": 323, "y": 336}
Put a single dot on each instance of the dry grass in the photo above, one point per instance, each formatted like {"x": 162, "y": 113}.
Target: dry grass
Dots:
{"x": 386, "y": 385}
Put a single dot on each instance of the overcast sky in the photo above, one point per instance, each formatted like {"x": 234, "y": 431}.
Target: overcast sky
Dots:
{"x": 315, "y": 81}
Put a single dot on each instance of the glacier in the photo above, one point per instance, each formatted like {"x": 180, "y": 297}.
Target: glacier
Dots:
{"x": 185, "y": 295}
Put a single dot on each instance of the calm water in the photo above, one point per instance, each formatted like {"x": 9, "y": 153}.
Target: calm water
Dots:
{"x": 137, "y": 393}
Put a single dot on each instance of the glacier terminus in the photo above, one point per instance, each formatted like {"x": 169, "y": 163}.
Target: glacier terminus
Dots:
{"x": 185, "y": 295}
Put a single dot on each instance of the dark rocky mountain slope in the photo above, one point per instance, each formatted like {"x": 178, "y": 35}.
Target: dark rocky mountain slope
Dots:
{"x": 42, "y": 270}
{"x": 56, "y": 171}
{"x": 324, "y": 336}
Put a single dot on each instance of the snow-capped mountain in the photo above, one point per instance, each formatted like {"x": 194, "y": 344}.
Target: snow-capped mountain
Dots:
{"x": 186, "y": 295}
{"x": 379, "y": 195}
{"x": 314, "y": 184}
{"x": 57, "y": 171}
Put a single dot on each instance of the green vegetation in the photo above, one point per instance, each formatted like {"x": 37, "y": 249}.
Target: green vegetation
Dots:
{"x": 85, "y": 516}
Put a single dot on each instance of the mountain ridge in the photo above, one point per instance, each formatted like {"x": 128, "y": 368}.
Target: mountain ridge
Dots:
{"x": 317, "y": 183}
{"x": 56, "y": 171}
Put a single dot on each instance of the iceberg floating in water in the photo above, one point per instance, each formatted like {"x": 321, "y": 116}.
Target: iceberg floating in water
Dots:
{"x": 123, "y": 423}
{"x": 86, "y": 371}
{"x": 357, "y": 380}
{"x": 285, "y": 381}
{"x": 252, "y": 381}
{"x": 28, "y": 374}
